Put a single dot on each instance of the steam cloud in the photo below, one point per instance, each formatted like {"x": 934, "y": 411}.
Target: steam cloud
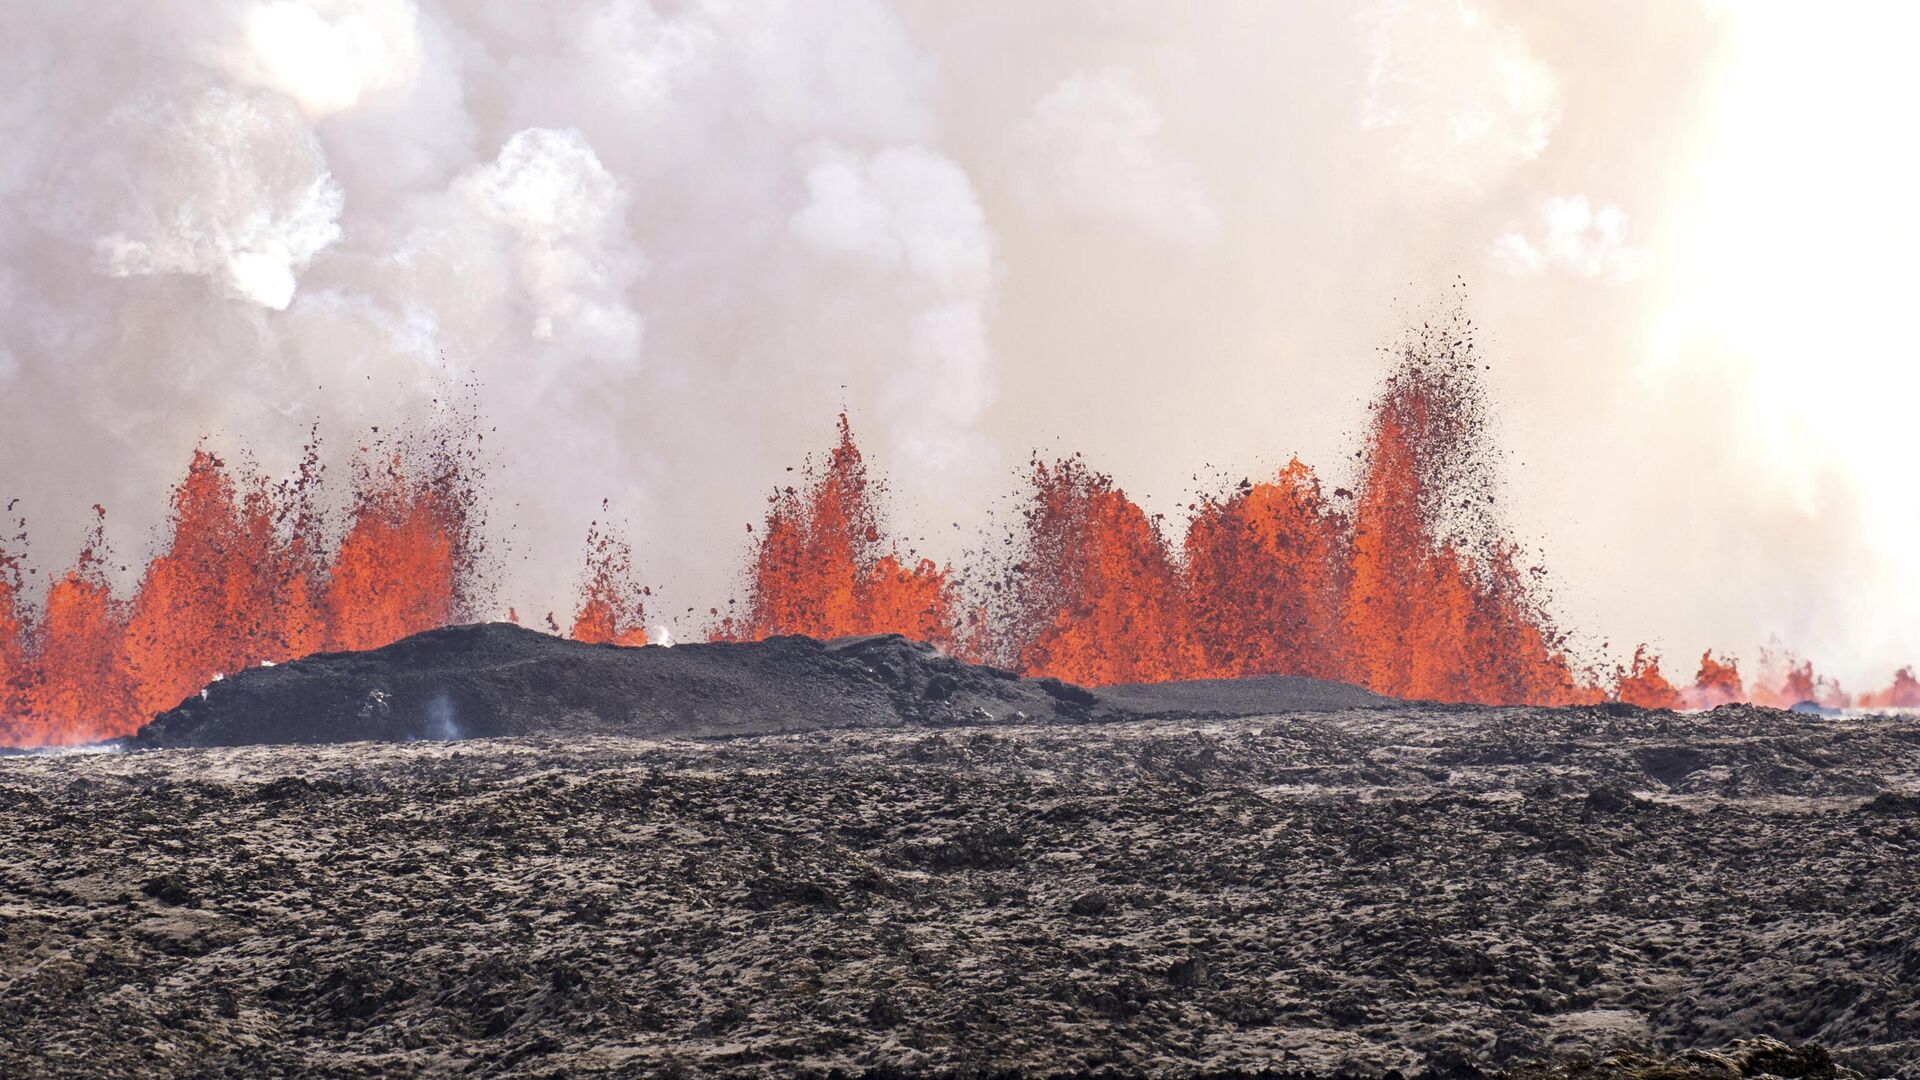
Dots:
{"x": 667, "y": 241}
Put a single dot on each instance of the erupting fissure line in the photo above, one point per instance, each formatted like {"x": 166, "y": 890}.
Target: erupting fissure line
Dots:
{"x": 243, "y": 578}
{"x": 1407, "y": 585}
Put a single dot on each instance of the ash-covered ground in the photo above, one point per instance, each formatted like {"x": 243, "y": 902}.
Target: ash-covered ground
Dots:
{"x": 1438, "y": 891}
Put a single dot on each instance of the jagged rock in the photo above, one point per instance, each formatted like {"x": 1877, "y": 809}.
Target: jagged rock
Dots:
{"x": 1090, "y": 903}
{"x": 1609, "y": 799}
{"x": 1894, "y": 804}
{"x": 1190, "y": 973}
{"x": 1403, "y": 890}
{"x": 168, "y": 890}
{"x": 1744, "y": 1059}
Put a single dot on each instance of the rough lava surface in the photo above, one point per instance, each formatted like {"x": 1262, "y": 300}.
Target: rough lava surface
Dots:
{"x": 1364, "y": 890}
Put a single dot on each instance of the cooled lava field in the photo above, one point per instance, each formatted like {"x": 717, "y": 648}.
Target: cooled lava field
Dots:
{"x": 1366, "y": 889}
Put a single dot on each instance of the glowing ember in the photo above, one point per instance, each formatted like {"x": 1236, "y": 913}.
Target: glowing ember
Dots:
{"x": 823, "y": 567}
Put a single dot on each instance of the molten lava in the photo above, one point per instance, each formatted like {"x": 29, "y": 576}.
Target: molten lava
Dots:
{"x": 1264, "y": 573}
{"x": 240, "y": 580}
{"x": 1408, "y": 585}
{"x": 1096, "y": 597}
{"x": 1641, "y": 683}
{"x": 612, "y": 607}
{"x": 1717, "y": 683}
{"x": 1412, "y": 592}
{"x": 404, "y": 563}
{"x": 1902, "y": 693}
{"x": 1435, "y": 607}
{"x": 823, "y": 566}
{"x": 217, "y": 599}
{"x": 77, "y": 676}
{"x": 13, "y": 654}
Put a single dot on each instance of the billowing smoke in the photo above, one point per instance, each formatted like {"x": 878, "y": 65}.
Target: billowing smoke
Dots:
{"x": 660, "y": 245}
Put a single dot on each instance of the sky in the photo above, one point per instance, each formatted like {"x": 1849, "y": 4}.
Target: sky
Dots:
{"x": 662, "y": 245}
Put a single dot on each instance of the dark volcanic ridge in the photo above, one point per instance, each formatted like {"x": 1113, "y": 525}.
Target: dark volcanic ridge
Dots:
{"x": 491, "y": 680}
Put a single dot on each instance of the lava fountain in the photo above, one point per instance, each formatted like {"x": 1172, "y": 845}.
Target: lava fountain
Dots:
{"x": 244, "y": 576}
{"x": 1408, "y": 585}
{"x": 824, "y": 566}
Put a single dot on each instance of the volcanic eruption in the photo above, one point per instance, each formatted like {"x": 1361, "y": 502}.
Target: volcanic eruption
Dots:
{"x": 246, "y": 576}
{"x": 1407, "y": 585}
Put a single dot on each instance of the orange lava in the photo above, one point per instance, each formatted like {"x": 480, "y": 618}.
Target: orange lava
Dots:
{"x": 217, "y": 599}
{"x": 1096, "y": 597}
{"x": 1408, "y": 585}
{"x": 1902, "y": 693}
{"x": 612, "y": 607}
{"x": 1641, "y": 683}
{"x": 240, "y": 580}
{"x": 1435, "y": 607}
{"x": 77, "y": 675}
{"x": 398, "y": 568}
{"x": 1787, "y": 680}
{"x": 1402, "y": 593}
{"x": 13, "y": 653}
{"x": 1717, "y": 683}
{"x": 823, "y": 566}
{"x": 1264, "y": 568}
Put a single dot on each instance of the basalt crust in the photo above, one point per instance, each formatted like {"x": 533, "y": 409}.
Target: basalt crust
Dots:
{"x": 1390, "y": 890}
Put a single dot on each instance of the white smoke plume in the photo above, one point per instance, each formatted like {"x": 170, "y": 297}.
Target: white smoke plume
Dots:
{"x": 1459, "y": 89}
{"x": 1574, "y": 238}
{"x": 667, "y": 241}
{"x": 1095, "y": 152}
{"x": 231, "y": 187}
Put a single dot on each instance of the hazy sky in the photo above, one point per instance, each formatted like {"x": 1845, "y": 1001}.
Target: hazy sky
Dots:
{"x": 668, "y": 241}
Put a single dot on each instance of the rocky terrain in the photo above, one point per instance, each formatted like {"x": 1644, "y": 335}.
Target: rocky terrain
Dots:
{"x": 1363, "y": 892}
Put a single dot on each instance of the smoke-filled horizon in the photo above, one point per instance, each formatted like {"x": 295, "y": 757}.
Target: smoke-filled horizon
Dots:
{"x": 657, "y": 248}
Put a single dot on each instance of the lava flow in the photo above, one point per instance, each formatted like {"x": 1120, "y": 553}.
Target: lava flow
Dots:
{"x": 1396, "y": 589}
{"x": 1434, "y": 606}
{"x": 1096, "y": 597}
{"x": 1408, "y": 586}
{"x": 1265, "y": 568}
